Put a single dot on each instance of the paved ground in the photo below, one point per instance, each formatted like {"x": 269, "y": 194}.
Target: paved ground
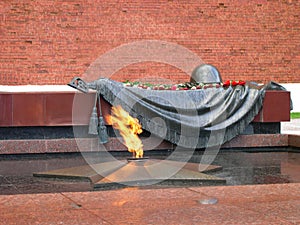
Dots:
{"x": 260, "y": 204}
{"x": 292, "y": 127}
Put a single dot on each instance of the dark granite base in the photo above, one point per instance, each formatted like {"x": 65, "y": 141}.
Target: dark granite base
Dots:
{"x": 60, "y": 132}
{"x": 29, "y": 133}
{"x": 266, "y": 128}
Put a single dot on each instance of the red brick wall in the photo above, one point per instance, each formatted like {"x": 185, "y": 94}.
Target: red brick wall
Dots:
{"x": 50, "y": 42}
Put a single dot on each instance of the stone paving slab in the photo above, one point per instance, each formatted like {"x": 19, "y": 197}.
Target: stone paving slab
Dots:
{"x": 253, "y": 204}
{"x": 292, "y": 127}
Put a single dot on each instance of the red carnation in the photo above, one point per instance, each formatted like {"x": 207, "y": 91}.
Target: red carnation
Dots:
{"x": 226, "y": 83}
{"x": 234, "y": 83}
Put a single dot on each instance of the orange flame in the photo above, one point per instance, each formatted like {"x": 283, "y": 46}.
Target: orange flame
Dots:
{"x": 129, "y": 128}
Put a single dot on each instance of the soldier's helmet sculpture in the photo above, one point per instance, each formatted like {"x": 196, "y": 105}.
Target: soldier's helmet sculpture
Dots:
{"x": 206, "y": 74}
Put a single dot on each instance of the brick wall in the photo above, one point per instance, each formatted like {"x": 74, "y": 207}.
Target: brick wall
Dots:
{"x": 50, "y": 42}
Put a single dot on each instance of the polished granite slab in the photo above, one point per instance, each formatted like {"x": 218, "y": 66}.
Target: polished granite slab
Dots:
{"x": 251, "y": 204}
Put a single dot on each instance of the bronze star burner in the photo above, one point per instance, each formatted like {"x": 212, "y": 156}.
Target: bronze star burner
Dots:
{"x": 139, "y": 172}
